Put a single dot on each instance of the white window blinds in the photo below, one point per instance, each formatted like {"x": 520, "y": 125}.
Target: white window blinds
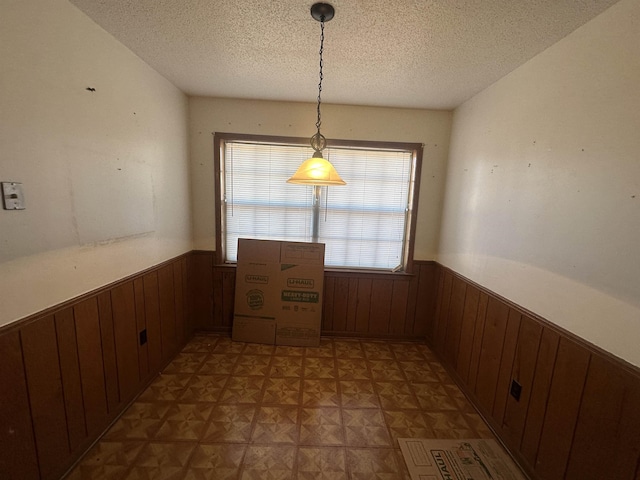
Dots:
{"x": 362, "y": 224}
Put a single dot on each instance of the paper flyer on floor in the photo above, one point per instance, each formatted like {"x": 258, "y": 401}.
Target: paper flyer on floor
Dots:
{"x": 468, "y": 459}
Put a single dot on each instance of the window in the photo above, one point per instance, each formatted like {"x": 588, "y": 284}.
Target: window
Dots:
{"x": 367, "y": 224}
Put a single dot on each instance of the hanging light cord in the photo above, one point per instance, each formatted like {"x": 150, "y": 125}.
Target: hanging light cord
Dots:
{"x": 319, "y": 122}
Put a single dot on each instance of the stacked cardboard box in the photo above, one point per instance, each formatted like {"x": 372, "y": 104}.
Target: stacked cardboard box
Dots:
{"x": 278, "y": 292}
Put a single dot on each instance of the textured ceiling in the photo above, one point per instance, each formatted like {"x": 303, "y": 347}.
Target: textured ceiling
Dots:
{"x": 401, "y": 53}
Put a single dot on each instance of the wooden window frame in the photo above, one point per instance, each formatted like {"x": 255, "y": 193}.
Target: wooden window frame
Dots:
{"x": 219, "y": 138}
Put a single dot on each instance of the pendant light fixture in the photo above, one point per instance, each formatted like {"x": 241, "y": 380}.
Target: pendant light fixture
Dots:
{"x": 316, "y": 170}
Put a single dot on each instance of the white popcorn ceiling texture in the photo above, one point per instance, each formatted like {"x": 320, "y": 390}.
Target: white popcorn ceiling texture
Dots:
{"x": 398, "y": 53}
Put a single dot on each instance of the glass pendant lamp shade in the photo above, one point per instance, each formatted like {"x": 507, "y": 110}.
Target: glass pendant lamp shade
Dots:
{"x": 316, "y": 171}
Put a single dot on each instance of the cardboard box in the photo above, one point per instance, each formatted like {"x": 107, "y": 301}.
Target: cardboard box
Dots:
{"x": 279, "y": 288}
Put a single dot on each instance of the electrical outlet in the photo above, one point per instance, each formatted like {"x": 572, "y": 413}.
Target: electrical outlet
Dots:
{"x": 516, "y": 390}
{"x": 143, "y": 337}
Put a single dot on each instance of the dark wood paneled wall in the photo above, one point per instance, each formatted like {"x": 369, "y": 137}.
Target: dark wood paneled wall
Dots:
{"x": 68, "y": 372}
{"x": 355, "y": 303}
{"x": 578, "y": 416}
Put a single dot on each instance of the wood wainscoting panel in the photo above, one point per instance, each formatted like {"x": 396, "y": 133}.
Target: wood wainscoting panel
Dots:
{"x": 399, "y": 307}
{"x": 524, "y": 367}
{"x": 545, "y": 364}
{"x": 68, "y": 372}
{"x": 125, "y": 332}
{"x": 141, "y": 326}
{"x": 454, "y": 322}
{"x": 608, "y": 425}
{"x": 179, "y": 307}
{"x": 563, "y": 406}
{"x": 478, "y": 333}
{"x": 355, "y": 303}
{"x": 90, "y": 358}
{"x": 440, "y": 325}
{"x": 71, "y": 382}
{"x": 425, "y": 298}
{"x": 340, "y": 304}
{"x": 381, "y": 300}
{"x": 363, "y": 305}
{"x": 167, "y": 310}
{"x": 467, "y": 330}
{"x": 577, "y": 415}
{"x": 44, "y": 381}
{"x": 18, "y": 457}
{"x": 152, "y": 317}
{"x": 109, "y": 351}
{"x": 495, "y": 327}
{"x": 506, "y": 365}
{"x": 201, "y": 286}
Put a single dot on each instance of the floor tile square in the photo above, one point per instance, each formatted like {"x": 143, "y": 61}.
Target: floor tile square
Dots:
{"x": 242, "y": 390}
{"x": 324, "y": 350}
{"x": 353, "y": 369}
{"x": 433, "y": 396}
{"x": 373, "y": 464}
{"x": 276, "y": 425}
{"x": 258, "y": 349}
{"x": 215, "y": 462}
{"x": 407, "y": 424}
{"x": 226, "y": 345}
{"x": 366, "y": 428}
{"x": 394, "y": 395}
{"x": 230, "y": 423}
{"x": 407, "y": 352}
{"x": 289, "y": 350}
{"x": 385, "y": 370}
{"x": 286, "y": 366}
{"x": 459, "y": 398}
{"x": 418, "y": 371}
{"x": 185, "y": 422}
{"x": 201, "y": 343}
{"x": 140, "y": 421}
{"x": 167, "y": 386}
{"x": 476, "y": 422}
{"x": 204, "y": 388}
{"x": 161, "y": 461}
{"x": 320, "y": 393}
{"x": 319, "y": 367}
{"x": 283, "y": 391}
{"x": 315, "y": 463}
{"x": 441, "y": 373}
{"x": 186, "y": 363}
{"x": 252, "y": 365}
{"x": 218, "y": 364}
{"x": 379, "y": 350}
{"x": 263, "y": 462}
{"x": 108, "y": 459}
{"x": 348, "y": 349}
{"x": 321, "y": 426}
{"x": 358, "y": 394}
{"x": 449, "y": 425}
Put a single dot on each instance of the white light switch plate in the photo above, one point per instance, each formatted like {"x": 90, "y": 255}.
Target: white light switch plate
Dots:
{"x": 12, "y": 196}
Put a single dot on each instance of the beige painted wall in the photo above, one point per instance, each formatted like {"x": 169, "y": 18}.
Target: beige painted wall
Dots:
{"x": 543, "y": 187}
{"x": 209, "y": 115}
{"x": 105, "y": 173}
